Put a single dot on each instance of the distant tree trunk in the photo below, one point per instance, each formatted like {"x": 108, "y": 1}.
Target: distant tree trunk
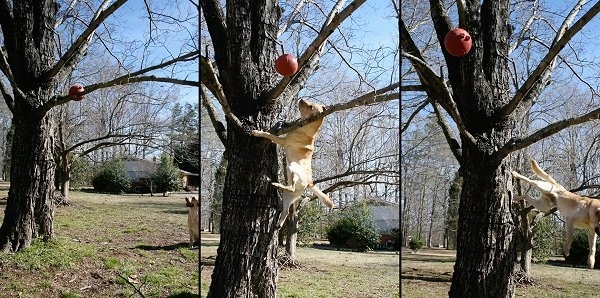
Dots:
{"x": 64, "y": 177}
{"x": 293, "y": 224}
{"x": 431, "y": 220}
{"x": 216, "y": 204}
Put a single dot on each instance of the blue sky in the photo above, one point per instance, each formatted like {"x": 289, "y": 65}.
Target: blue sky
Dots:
{"x": 132, "y": 17}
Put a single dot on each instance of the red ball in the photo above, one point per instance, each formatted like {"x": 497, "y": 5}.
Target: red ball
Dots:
{"x": 76, "y": 89}
{"x": 286, "y": 65}
{"x": 458, "y": 42}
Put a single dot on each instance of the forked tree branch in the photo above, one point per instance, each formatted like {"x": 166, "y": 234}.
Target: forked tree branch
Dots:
{"x": 78, "y": 48}
{"x": 313, "y": 48}
{"x": 546, "y": 62}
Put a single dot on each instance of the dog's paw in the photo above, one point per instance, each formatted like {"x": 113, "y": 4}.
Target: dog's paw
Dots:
{"x": 279, "y": 185}
{"x": 255, "y": 133}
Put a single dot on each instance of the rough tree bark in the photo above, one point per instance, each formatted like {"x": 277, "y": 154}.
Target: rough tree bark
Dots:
{"x": 29, "y": 211}
{"x": 244, "y": 51}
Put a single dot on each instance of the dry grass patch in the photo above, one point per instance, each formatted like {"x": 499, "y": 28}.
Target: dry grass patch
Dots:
{"x": 428, "y": 273}
{"x": 324, "y": 273}
{"x": 100, "y": 237}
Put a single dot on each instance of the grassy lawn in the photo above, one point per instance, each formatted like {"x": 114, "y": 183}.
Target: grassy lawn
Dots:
{"x": 324, "y": 273}
{"x": 428, "y": 273}
{"x": 104, "y": 246}
{"x": 112, "y": 245}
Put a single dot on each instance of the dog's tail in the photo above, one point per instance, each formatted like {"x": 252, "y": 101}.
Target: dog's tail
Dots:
{"x": 538, "y": 171}
{"x": 323, "y": 197}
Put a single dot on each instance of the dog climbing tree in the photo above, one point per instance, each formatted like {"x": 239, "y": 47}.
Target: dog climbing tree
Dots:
{"x": 237, "y": 70}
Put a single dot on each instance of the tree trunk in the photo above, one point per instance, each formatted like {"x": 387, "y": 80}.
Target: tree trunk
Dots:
{"x": 485, "y": 252}
{"x": 246, "y": 263}
{"x": 30, "y": 209}
{"x": 431, "y": 220}
{"x": 293, "y": 225}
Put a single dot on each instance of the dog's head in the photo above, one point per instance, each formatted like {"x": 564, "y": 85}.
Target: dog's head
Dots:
{"x": 308, "y": 109}
{"x": 191, "y": 202}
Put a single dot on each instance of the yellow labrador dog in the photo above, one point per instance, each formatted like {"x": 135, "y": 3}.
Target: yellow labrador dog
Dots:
{"x": 193, "y": 220}
{"x": 298, "y": 145}
{"x": 578, "y": 211}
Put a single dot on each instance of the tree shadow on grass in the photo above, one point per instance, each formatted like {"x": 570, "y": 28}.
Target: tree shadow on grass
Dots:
{"x": 183, "y": 295}
{"x": 426, "y": 278}
{"x": 176, "y": 211}
{"x": 567, "y": 264}
{"x": 431, "y": 259}
{"x": 163, "y": 247}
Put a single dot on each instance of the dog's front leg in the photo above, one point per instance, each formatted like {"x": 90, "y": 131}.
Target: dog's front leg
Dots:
{"x": 542, "y": 204}
{"x": 592, "y": 244}
{"x": 263, "y": 134}
{"x": 567, "y": 246}
{"x": 192, "y": 238}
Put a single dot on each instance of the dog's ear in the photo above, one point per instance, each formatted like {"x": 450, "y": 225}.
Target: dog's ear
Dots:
{"x": 188, "y": 203}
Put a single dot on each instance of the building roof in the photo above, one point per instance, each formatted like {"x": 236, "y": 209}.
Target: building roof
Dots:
{"x": 139, "y": 168}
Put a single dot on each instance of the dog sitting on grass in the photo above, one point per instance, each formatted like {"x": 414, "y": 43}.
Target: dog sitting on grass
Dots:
{"x": 299, "y": 146}
{"x": 193, "y": 220}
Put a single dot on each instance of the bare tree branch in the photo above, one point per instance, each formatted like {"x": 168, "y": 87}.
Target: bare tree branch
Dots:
{"x": 373, "y": 97}
{"x": 212, "y": 114}
{"x": 220, "y": 95}
{"x": 414, "y": 114}
{"x": 452, "y": 142}
{"x": 133, "y": 77}
{"x": 520, "y": 143}
{"x": 66, "y": 14}
{"x": 291, "y": 18}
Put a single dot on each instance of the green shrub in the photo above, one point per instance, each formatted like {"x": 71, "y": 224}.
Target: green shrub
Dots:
{"x": 416, "y": 243}
{"x": 81, "y": 173}
{"x": 311, "y": 218}
{"x": 396, "y": 238}
{"x": 354, "y": 229}
{"x": 166, "y": 177}
{"x": 111, "y": 177}
{"x": 545, "y": 242}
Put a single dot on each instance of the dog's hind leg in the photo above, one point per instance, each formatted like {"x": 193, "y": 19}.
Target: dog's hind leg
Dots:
{"x": 322, "y": 196}
{"x": 570, "y": 226}
{"x": 288, "y": 199}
